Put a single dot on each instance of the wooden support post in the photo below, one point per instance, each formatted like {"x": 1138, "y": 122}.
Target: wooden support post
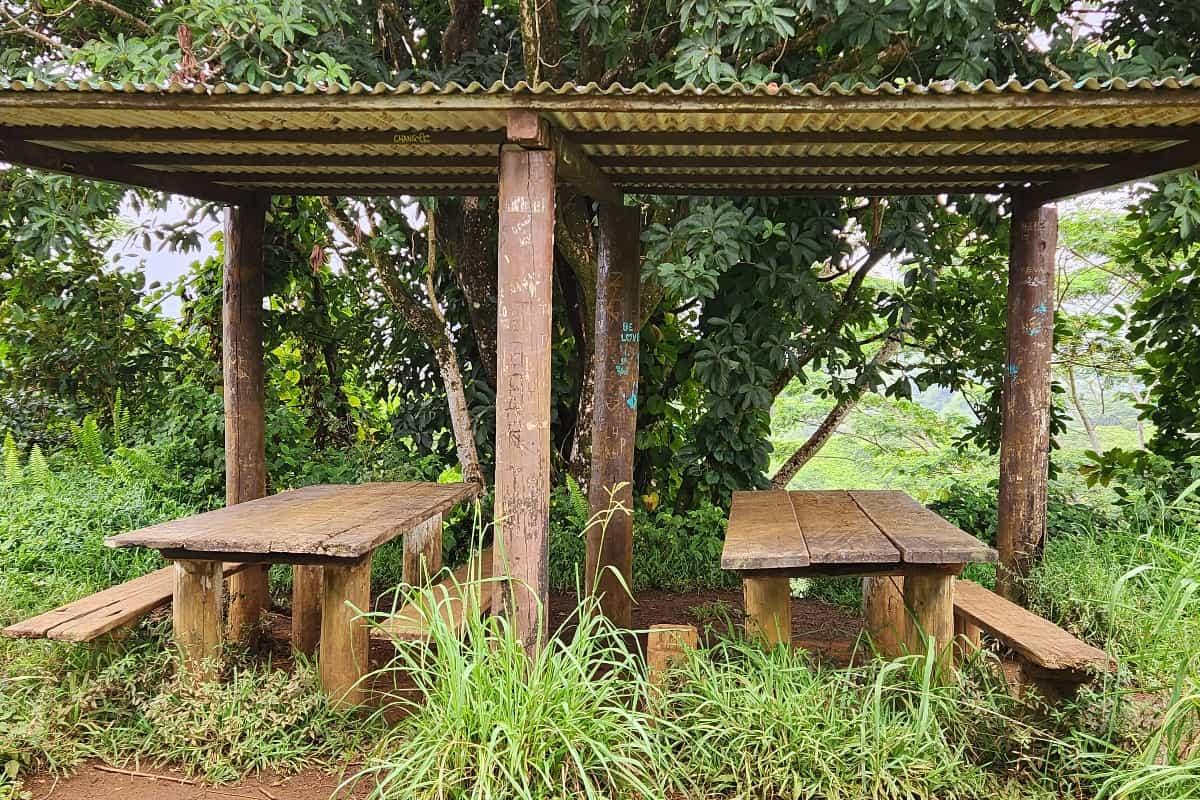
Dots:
{"x": 929, "y": 599}
{"x": 344, "y": 633}
{"x": 609, "y": 566}
{"x": 245, "y": 419}
{"x": 1025, "y": 421}
{"x": 523, "y": 328}
{"x": 196, "y": 616}
{"x": 306, "y": 608}
{"x": 768, "y": 606}
{"x": 422, "y": 552}
{"x": 883, "y": 612}
{"x": 667, "y": 646}
{"x": 968, "y": 637}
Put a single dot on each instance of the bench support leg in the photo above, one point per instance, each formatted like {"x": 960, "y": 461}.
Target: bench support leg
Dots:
{"x": 196, "y": 615}
{"x": 929, "y": 599}
{"x": 768, "y": 606}
{"x": 306, "y": 607}
{"x": 883, "y": 611}
{"x": 423, "y": 552}
{"x": 344, "y": 634}
{"x": 968, "y": 637}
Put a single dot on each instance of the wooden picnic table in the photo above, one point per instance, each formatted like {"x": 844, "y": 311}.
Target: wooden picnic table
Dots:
{"x": 777, "y": 535}
{"x": 335, "y": 526}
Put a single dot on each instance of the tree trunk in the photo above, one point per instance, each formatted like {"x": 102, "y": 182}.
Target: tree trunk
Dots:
{"x": 1093, "y": 439}
{"x": 834, "y": 419}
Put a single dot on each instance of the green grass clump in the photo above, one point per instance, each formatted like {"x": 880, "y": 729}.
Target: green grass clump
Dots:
{"x": 745, "y": 722}
{"x": 128, "y": 704}
{"x": 486, "y": 722}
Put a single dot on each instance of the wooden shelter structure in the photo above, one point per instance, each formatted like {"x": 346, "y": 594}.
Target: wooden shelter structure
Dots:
{"x": 237, "y": 145}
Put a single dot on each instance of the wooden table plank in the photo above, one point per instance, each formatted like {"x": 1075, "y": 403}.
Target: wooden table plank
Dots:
{"x": 838, "y": 532}
{"x": 335, "y": 522}
{"x": 763, "y": 533}
{"x": 921, "y": 535}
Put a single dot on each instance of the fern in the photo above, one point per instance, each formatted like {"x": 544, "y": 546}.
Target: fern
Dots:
{"x": 12, "y": 460}
{"x": 581, "y": 510}
{"x": 39, "y": 468}
{"x": 120, "y": 421}
{"x": 89, "y": 443}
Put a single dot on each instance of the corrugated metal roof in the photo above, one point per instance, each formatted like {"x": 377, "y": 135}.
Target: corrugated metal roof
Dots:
{"x": 217, "y": 141}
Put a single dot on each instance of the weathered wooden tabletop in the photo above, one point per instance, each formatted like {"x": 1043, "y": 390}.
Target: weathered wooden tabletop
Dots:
{"x": 309, "y": 525}
{"x": 841, "y": 531}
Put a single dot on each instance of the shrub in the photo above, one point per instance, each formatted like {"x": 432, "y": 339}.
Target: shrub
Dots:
{"x": 671, "y": 551}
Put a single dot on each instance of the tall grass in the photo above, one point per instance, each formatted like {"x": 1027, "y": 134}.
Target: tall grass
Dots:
{"x": 484, "y": 721}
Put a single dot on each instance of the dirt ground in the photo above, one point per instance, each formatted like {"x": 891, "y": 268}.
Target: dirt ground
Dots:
{"x": 92, "y": 782}
{"x": 827, "y": 631}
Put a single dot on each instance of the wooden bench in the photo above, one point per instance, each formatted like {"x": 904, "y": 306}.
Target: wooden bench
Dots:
{"x": 408, "y": 623}
{"x": 91, "y": 617}
{"x": 1050, "y": 658}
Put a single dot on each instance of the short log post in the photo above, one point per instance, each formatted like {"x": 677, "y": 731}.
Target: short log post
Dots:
{"x": 422, "y": 552}
{"x": 344, "y": 632}
{"x": 1025, "y": 417}
{"x": 196, "y": 616}
{"x": 667, "y": 647}
{"x": 968, "y": 638}
{"x": 523, "y": 328}
{"x": 306, "y": 608}
{"x": 884, "y": 615}
{"x": 609, "y": 564}
{"x": 768, "y": 606}
{"x": 245, "y": 418}
{"x": 929, "y": 599}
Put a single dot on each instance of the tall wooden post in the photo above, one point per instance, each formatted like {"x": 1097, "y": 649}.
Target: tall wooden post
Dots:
{"x": 609, "y": 568}
{"x": 1025, "y": 421}
{"x": 523, "y": 327}
{"x": 245, "y": 421}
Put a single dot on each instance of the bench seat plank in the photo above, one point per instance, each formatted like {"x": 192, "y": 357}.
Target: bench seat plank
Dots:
{"x": 921, "y": 535}
{"x": 838, "y": 532}
{"x": 408, "y": 623}
{"x": 1036, "y": 639}
{"x": 763, "y": 533}
{"x": 327, "y": 521}
{"x": 95, "y": 615}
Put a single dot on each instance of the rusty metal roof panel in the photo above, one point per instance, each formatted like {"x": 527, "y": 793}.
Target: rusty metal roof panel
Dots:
{"x": 680, "y": 139}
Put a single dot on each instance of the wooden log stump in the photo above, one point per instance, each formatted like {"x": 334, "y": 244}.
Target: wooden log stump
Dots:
{"x": 768, "y": 607}
{"x": 883, "y": 612}
{"x": 929, "y": 599}
{"x": 666, "y": 647}
{"x": 344, "y": 632}
{"x": 423, "y": 552}
{"x": 306, "y": 608}
{"x": 196, "y": 616}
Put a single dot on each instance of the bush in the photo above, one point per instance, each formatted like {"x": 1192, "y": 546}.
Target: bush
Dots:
{"x": 671, "y": 551}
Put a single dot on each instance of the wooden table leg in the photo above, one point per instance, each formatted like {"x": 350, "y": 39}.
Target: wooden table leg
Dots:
{"x": 196, "y": 615}
{"x": 344, "y": 634}
{"x": 768, "y": 607}
{"x": 883, "y": 613}
{"x": 307, "y": 581}
{"x": 929, "y": 598}
{"x": 423, "y": 552}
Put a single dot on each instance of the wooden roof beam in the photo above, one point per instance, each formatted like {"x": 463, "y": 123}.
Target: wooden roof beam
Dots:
{"x": 531, "y": 131}
{"x": 1143, "y": 166}
{"x": 83, "y": 165}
